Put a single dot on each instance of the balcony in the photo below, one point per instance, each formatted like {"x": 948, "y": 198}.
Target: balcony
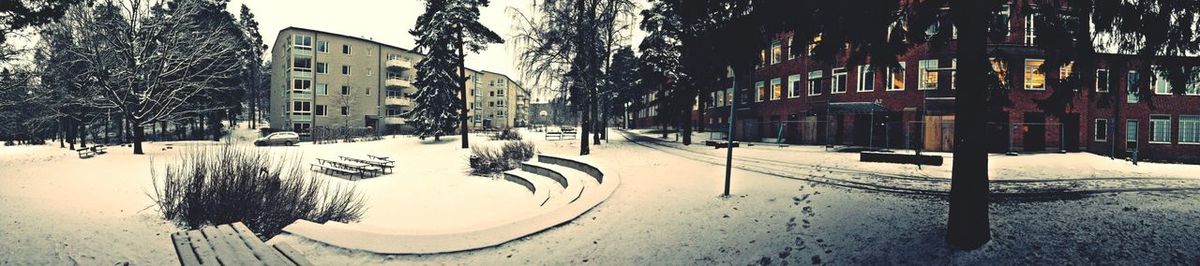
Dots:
{"x": 404, "y": 85}
{"x": 302, "y": 73}
{"x": 301, "y": 118}
{"x": 303, "y": 52}
{"x": 302, "y": 96}
{"x": 399, "y": 64}
{"x": 399, "y": 101}
{"x": 393, "y": 120}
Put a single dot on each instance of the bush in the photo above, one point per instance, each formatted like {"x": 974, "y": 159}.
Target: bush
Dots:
{"x": 490, "y": 160}
{"x": 507, "y": 134}
{"x": 209, "y": 186}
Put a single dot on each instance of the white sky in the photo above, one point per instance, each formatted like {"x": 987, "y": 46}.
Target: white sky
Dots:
{"x": 388, "y": 21}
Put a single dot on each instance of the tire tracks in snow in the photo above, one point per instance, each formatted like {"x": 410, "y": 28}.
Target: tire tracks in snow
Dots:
{"x": 921, "y": 185}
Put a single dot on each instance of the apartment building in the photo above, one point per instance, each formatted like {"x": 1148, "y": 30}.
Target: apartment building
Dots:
{"x": 330, "y": 80}
{"x": 794, "y": 99}
{"x": 498, "y": 101}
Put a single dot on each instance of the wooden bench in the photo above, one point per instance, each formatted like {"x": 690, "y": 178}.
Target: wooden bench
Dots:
{"x": 100, "y": 149}
{"x": 382, "y": 166}
{"x": 85, "y": 153}
{"x": 568, "y": 132}
{"x": 327, "y": 166}
{"x": 555, "y": 135}
{"x": 720, "y": 144}
{"x": 900, "y": 158}
{"x": 231, "y": 244}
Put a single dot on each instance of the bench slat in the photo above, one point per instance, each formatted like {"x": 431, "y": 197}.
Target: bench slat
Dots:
{"x": 292, "y": 254}
{"x": 264, "y": 253}
{"x": 239, "y": 246}
{"x": 223, "y": 250}
{"x": 183, "y": 249}
{"x": 203, "y": 249}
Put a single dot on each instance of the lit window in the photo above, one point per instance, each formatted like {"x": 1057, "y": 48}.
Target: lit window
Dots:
{"x": 1002, "y": 18}
{"x": 1064, "y": 71}
{"x": 776, "y": 89}
{"x": 1189, "y": 129}
{"x": 776, "y": 53}
{"x": 794, "y": 83}
{"x": 1160, "y": 128}
{"x": 1101, "y": 132}
{"x": 760, "y": 91}
{"x": 791, "y": 51}
{"x": 866, "y": 79}
{"x": 1001, "y": 71}
{"x": 728, "y": 96}
{"x": 928, "y": 76}
{"x": 814, "y": 82}
{"x": 812, "y": 46}
{"x": 1030, "y": 29}
{"x": 953, "y": 73}
{"x": 839, "y": 80}
{"x": 1034, "y": 78}
{"x": 896, "y": 78}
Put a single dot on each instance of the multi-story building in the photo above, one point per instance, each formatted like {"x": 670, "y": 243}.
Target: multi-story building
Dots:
{"x": 795, "y": 99}
{"x": 499, "y": 102}
{"x": 322, "y": 79}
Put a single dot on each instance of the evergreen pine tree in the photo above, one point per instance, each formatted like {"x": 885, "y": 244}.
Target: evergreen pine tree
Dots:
{"x": 437, "y": 108}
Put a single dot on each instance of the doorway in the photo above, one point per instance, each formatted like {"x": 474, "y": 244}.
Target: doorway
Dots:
{"x": 1034, "y": 132}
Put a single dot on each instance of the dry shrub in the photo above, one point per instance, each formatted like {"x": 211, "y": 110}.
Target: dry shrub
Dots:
{"x": 490, "y": 160}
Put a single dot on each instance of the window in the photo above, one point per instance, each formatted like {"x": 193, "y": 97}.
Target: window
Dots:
{"x": 953, "y": 73}
{"x": 812, "y": 46}
{"x": 322, "y": 68}
{"x": 345, "y": 110}
{"x": 762, "y": 58}
{"x": 1034, "y": 78}
{"x": 760, "y": 92}
{"x": 1189, "y": 129}
{"x": 1131, "y": 87}
{"x": 928, "y": 75}
{"x": 839, "y": 80}
{"x": 302, "y": 42}
{"x": 1102, "y": 82}
{"x": 303, "y": 64}
{"x": 322, "y": 89}
{"x": 794, "y": 86}
{"x": 814, "y": 82}
{"x": 1030, "y": 29}
{"x": 866, "y": 79}
{"x": 776, "y": 52}
{"x": 499, "y": 92}
{"x": 303, "y": 107}
{"x": 1001, "y": 71}
{"x": 896, "y": 78}
{"x": 791, "y": 43}
{"x": 728, "y": 96}
{"x": 345, "y": 90}
{"x": 321, "y": 110}
{"x": 346, "y": 49}
{"x": 1131, "y": 128}
{"x": 1064, "y": 71}
{"x": 1101, "y": 132}
{"x": 776, "y": 89}
{"x": 500, "y": 103}
{"x": 1160, "y": 128}
{"x": 345, "y": 70}
{"x": 1159, "y": 83}
{"x": 1003, "y": 19}
{"x": 368, "y": 90}
{"x": 322, "y": 46}
{"x": 301, "y": 85}
{"x": 370, "y": 72}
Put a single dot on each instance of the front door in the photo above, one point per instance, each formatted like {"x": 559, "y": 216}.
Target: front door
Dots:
{"x": 1070, "y": 130}
{"x": 1034, "y": 132}
{"x": 1131, "y": 135}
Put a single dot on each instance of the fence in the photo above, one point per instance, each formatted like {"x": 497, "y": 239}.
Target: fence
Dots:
{"x": 936, "y": 133}
{"x": 325, "y": 135}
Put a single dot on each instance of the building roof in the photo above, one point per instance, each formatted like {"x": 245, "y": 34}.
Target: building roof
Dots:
{"x": 348, "y": 36}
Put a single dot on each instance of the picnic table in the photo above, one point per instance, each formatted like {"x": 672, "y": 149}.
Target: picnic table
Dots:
{"x": 231, "y": 244}
{"x": 382, "y": 165}
{"x": 342, "y": 167}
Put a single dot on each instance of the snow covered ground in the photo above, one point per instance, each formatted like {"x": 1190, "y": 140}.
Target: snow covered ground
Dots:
{"x": 58, "y": 209}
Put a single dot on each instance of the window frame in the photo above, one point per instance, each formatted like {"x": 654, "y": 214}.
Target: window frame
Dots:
{"x": 1030, "y": 29}
{"x": 1106, "y": 84}
{"x": 1131, "y": 87}
{"x": 321, "y": 110}
{"x": 794, "y": 87}
{"x": 321, "y": 68}
{"x": 1029, "y": 74}
{"x": 837, "y": 80}
{"x": 814, "y": 82}
{"x": 776, "y": 89}
{"x": 759, "y": 91}
{"x": 322, "y": 47}
{"x": 347, "y": 49}
{"x": 863, "y": 81}
{"x": 1155, "y": 120}
{"x": 346, "y": 70}
{"x": 1159, "y": 80}
{"x": 924, "y": 74}
{"x": 1096, "y": 137}
{"x": 1194, "y": 124}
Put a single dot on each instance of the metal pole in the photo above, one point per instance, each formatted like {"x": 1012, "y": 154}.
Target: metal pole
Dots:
{"x": 729, "y": 136}
{"x": 871, "y": 139}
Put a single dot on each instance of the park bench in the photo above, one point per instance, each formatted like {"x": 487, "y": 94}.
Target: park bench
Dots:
{"x": 231, "y": 244}
{"x": 85, "y": 153}
{"x": 383, "y": 166}
{"x": 100, "y": 149}
{"x": 720, "y": 144}
{"x": 568, "y": 132}
{"x": 555, "y": 135}
{"x": 882, "y": 157}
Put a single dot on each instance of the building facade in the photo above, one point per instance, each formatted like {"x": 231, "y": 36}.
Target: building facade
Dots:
{"x": 322, "y": 79}
{"x": 794, "y": 99}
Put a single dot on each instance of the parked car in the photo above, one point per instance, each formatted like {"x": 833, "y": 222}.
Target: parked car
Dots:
{"x": 286, "y": 138}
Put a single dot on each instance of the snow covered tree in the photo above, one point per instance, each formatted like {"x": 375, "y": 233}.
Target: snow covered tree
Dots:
{"x": 462, "y": 18}
{"x": 438, "y": 105}
{"x": 16, "y": 15}
{"x": 153, "y": 61}
{"x": 622, "y": 80}
{"x": 252, "y": 64}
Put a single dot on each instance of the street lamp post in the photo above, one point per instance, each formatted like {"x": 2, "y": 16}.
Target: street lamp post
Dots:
{"x": 729, "y": 134}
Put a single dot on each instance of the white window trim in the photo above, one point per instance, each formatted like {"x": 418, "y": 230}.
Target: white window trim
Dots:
{"x": 326, "y": 47}
{"x": 347, "y": 70}
{"x": 1180, "y": 137}
{"x": 1156, "y": 78}
{"x": 1131, "y": 89}
{"x": 318, "y": 70}
{"x": 774, "y": 54}
{"x": 862, "y": 82}
{"x": 326, "y": 114}
{"x": 347, "y": 49}
{"x": 1107, "y": 78}
{"x": 771, "y": 90}
{"x": 891, "y": 79}
{"x": 1096, "y": 128}
{"x": 833, "y": 82}
{"x": 758, "y": 89}
{"x": 1025, "y": 75}
{"x": 794, "y": 85}
{"x": 1152, "y": 131}
{"x": 1030, "y": 29}
{"x": 924, "y": 73}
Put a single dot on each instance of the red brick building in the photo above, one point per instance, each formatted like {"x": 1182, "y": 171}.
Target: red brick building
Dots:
{"x": 800, "y": 101}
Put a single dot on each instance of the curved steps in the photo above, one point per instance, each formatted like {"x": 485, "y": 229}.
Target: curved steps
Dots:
{"x": 571, "y": 187}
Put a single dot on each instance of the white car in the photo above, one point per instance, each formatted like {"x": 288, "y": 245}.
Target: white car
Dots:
{"x": 286, "y": 138}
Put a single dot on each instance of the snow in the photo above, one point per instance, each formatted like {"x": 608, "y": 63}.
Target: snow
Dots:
{"x": 58, "y": 209}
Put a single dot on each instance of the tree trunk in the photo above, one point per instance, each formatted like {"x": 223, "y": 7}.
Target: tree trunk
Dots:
{"x": 83, "y": 135}
{"x": 686, "y": 128}
{"x": 61, "y": 135}
{"x": 462, "y": 75}
{"x": 139, "y": 132}
{"x": 968, "y": 226}
{"x": 585, "y": 127}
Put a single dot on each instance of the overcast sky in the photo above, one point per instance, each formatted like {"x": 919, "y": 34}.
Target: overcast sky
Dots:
{"x": 388, "y": 21}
